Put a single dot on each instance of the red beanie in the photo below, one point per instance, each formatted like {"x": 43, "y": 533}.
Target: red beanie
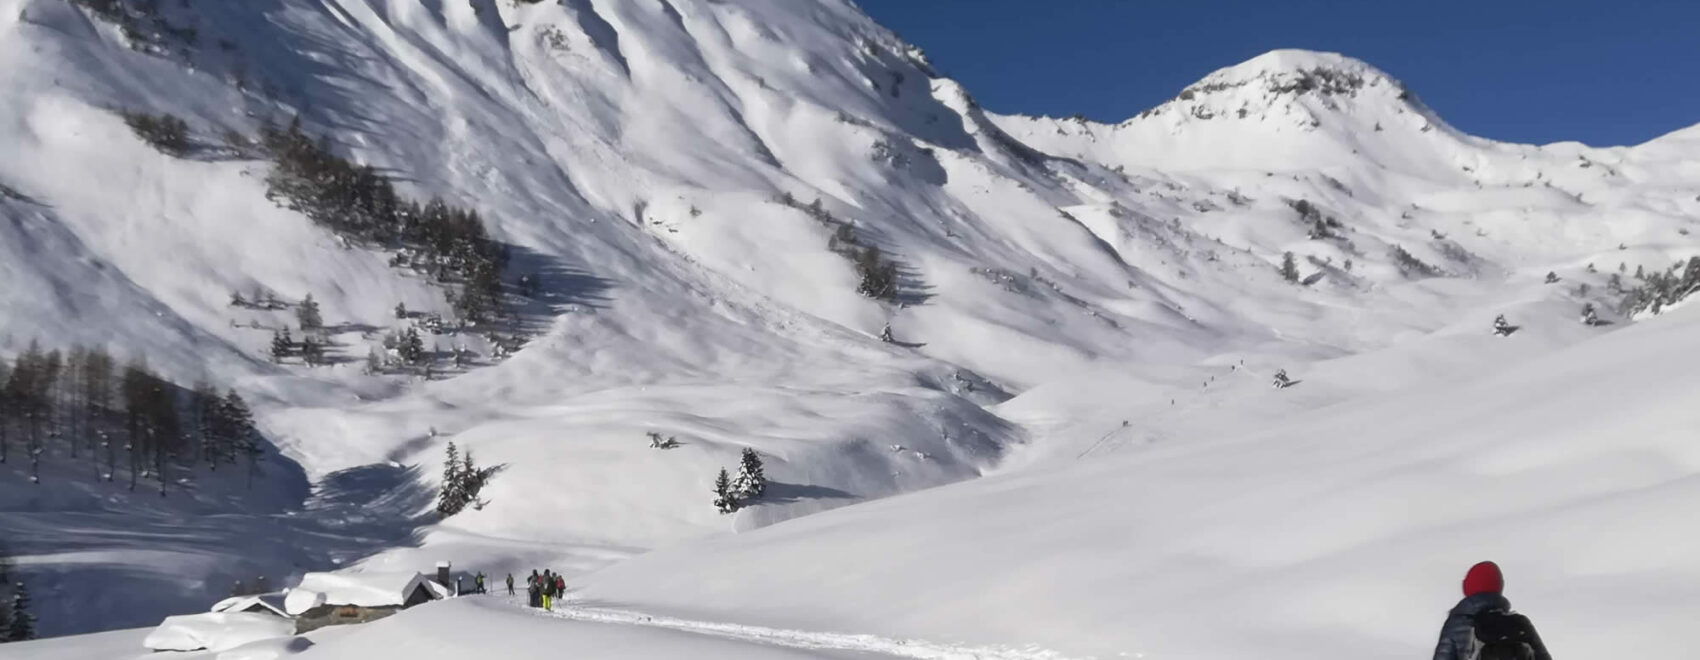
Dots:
{"x": 1483, "y": 578}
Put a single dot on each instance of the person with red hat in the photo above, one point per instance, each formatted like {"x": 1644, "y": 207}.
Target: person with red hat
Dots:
{"x": 1483, "y": 627}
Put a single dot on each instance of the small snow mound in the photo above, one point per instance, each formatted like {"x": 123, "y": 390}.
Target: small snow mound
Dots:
{"x": 216, "y": 631}
{"x": 269, "y": 649}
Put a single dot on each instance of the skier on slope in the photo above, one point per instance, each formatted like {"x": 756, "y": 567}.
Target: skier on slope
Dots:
{"x": 1483, "y": 627}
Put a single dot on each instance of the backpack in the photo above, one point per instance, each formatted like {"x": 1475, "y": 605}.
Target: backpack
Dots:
{"x": 1501, "y": 635}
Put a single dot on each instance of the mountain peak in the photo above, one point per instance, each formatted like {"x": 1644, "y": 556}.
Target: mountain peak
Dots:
{"x": 1297, "y": 87}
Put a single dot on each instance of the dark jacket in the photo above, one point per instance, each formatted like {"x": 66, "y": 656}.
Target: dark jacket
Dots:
{"x": 1457, "y": 637}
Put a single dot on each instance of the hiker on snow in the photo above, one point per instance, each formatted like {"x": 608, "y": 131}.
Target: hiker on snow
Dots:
{"x": 1483, "y": 627}
{"x": 533, "y": 593}
{"x": 510, "y": 584}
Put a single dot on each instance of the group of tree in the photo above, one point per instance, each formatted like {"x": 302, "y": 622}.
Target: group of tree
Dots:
{"x": 733, "y": 493}
{"x": 1410, "y": 265}
{"x": 164, "y": 132}
{"x": 359, "y": 203}
{"x": 81, "y": 405}
{"x": 463, "y": 480}
{"x": 877, "y": 274}
{"x": 311, "y": 347}
{"x": 17, "y": 620}
{"x": 1321, "y": 226}
{"x": 1662, "y": 289}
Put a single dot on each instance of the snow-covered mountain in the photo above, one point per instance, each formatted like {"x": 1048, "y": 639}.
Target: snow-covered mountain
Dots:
{"x": 692, "y": 189}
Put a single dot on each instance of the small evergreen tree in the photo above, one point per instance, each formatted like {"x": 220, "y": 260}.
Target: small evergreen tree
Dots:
{"x": 412, "y": 346}
{"x": 282, "y": 345}
{"x": 22, "y": 626}
{"x": 308, "y": 314}
{"x": 401, "y": 310}
{"x": 1552, "y": 277}
{"x": 751, "y": 482}
{"x": 725, "y": 501}
{"x": 1589, "y": 315}
{"x": 1289, "y": 268}
{"x": 312, "y": 351}
{"x": 449, "y": 499}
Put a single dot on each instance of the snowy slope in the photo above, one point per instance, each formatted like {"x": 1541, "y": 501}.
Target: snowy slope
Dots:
{"x": 635, "y": 156}
{"x": 1343, "y": 527}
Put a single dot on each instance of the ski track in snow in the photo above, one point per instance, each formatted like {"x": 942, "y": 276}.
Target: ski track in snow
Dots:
{"x": 801, "y": 639}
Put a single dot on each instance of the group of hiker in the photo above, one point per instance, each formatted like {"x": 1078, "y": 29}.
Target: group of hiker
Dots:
{"x": 541, "y": 589}
{"x": 1481, "y": 627}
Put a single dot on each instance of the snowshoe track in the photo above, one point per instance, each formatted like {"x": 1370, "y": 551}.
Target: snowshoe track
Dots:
{"x": 807, "y": 640}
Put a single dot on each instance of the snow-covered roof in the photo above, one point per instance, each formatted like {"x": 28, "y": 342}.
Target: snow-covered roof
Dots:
{"x": 371, "y": 589}
{"x": 215, "y": 631}
{"x": 272, "y": 602}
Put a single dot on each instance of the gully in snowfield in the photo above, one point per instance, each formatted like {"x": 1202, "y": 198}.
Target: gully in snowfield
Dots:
{"x": 1483, "y": 627}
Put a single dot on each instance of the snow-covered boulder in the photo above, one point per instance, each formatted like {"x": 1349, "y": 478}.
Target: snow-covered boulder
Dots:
{"x": 216, "y": 631}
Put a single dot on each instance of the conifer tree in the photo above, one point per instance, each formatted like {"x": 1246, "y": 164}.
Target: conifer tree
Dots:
{"x": 282, "y": 345}
{"x": 312, "y": 351}
{"x": 450, "y": 499}
{"x": 751, "y": 482}
{"x": 412, "y": 347}
{"x": 308, "y": 314}
{"x": 725, "y": 501}
{"x": 22, "y": 626}
{"x": 1289, "y": 268}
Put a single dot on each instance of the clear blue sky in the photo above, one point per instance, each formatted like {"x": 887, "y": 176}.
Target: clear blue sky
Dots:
{"x": 1603, "y": 73}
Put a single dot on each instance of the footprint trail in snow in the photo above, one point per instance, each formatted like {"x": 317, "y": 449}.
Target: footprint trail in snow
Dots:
{"x": 802, "y": 639}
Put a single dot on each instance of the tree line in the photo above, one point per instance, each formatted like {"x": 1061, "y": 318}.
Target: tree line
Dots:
{"x": 1661, "y": 289}
{"x": 82, "y": 405}
{"x": 359, "y": 203}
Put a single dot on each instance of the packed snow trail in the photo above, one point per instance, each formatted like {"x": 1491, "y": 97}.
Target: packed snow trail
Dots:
{"x": 799, "y": 639}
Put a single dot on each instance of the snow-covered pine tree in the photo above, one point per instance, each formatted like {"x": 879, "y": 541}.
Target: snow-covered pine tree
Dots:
{"x": 22, "y": 626}
{"x": 412, "y": 348}
{"x": 307, "y": 313}
{"x": 451, "y": 498}
{"x": 725, "y": 501}
{"x": 1289, "y": 268}
{"x": 751, "y": 482}
{"x": 1503, "y": 327}
{"x": 1552, "y": 277}
{"x": 312, "y": 351}
{"x": 471, "y": 481}
{"x": 1589, "y": 316}
{"x": 282, "y": 345}
{"x": 401, "y": 310}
